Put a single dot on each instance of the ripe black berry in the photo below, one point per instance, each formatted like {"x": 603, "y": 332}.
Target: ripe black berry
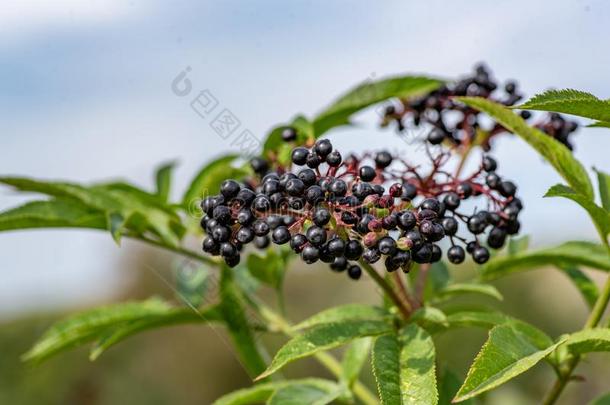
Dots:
{"x": 295, "y": 187}
{"x": 310, "y": 254}
{"x": 316, "y": 235}
{"x": 507, "y": 189}
{"x": 297, "y": 242}
{"x": 299, "y": 156}
{"x": 496, "y": 238}
{"x": 450, "y": 225}
{"x": 371, "y": 256}
{"x": 480, "y": 255}
{"x": 261, "y": 203}
{"x": 259, "y": 165}
{"x": 339, "y": 264}
{"x": 321, "y": 217}
{"x": 313, "y": 160}
{"x": 354, "y": 272}
{"x": 423, "y": 254}
{"x": 456, "y": 254}
{"x": 323, "y": 147}
{"x": 262, "y": 242}
{"x": 493, "y": 180}
{"x": 406, "y": 220}
{"x": 289, "y": 134}
{"x": 261, "y": 228}
{"x": 353, "y": 250}
{"x": 308, "y": 177}
{"x": 477, "y": 224}
{"x": 336, "y": 247}
{"x": 489, "y": 164}
{"x": 387, "y": 246}
{"x": 436, "y": 136}
{"x": 367, "y": 173}
{"x": 245, "y": 235}
{"x": 464, "y": 190}
{"x": 430, "y": 204}
{"x": 221, "y": 233}
{"x": 409, "y": 192}
{"x": 229, "y": 188}
{"x": 334, "y": 159}
{"x": 281, "y": 235}
{"x": 383, "y": 159}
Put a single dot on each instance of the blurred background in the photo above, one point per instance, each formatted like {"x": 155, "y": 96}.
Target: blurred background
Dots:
{"x": 85, "y": 95}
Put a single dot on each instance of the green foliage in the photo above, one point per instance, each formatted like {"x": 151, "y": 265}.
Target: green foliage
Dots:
{"x": 343, "y": 313}
{"x": 54, "y": 213}
{"x": 163, "y": 178}
{"x": 269, "y": 269}
{"x": 589, "y": 340}
{"x": 304, "y": 394}
{"x": 603, "y": 180}
{"x": 126, "y": 209}
{"x": 449, "y": 385}
{"x": 600, "y": 216}
{"x": 354, "y": 359}
{"x": 469, "y": 288}
{"x": 568, "y": 254}
{"x": 429, "y": 317}
{"x": 260, "y": 393}
{"x": 603, "y": 400}
{"x": 207, "y": 181}
{"x": 404, "y": 367}
{"x": 110, "y": 324}
{"x": 506, "y": 354}
{"x": 569, "y": 101}
{"x": 583, "y": 283}
{"x": 323, "y": 337}
{"x": 555, "y": 153}
{"x": 192, "y": 283}
{"x": 370, "y": 93}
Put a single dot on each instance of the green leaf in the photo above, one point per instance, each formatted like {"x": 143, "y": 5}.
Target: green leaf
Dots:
{"x": 589, "y": 340}
{"x": 275, "y": 145}
{"x": 404, "y": 368}
{"x": 568, "y": 254}
{"x": 506, "y": 354}
{"x": 269, "y": 269}
{"x": 417, "y": 367}
{"x": 369, "y": 93}
{"x": 385, "y": 359}
{"x": 599, "y": 124}
{"x": 600, "y": 216}
{"x": 175, "y": 317}
{"x": 208, "y": 180}
{"x": 448, "y": 386}
{"x": 304, "y": 394}
{"x": 354, "y": 358}
{"x": 569, "y": 101}
{"x": 481, "y": 319}
{"x": 603, "y": 400}
{"x": 93, "y": 324}
{"x": 603, "y": 180}
{"x": 469, "y": 288}
{"x": 163, "y": 177}
{"x": 518, "y": 245}
{"x": 192, "y": 283}
{"x": 262, "y": 392}
{"x": 585, "y": 285}
{"x": 233, "y": 307}
{"x": 554, "y": 152}
{"x": 429, "y": 317}
{"x": 55, "y": 213}
{"x": 323, "y": 337}
{"x": 349, "y": 312}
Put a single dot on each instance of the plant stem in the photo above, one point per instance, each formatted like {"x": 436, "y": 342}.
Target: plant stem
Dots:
{"x": 592, "y": 321}
{"x": 403, "y": 306}
{"x": 420, "y": 287}
{"x": 326, "y": 359}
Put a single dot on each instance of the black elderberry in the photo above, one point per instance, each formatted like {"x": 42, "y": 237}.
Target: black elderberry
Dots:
{"x": 354, "y": 272}
{"x": 409, "y": 192}
{"x": 378, "y": 189}
{"x": 496, "y": 238}
{"x": 228, "y": 250}
{"x": 383, "y": 159}
{"x": 423, "y": 254}
{"x": 436, "y": 136}
{"x": 229, "y": 188}
{"x": 493, "y": 180}
{"x": 313, "y": 160}
{"x": 284, "y": 178}
{"x": 336, "y": 247}
{"x": 507, "y": 189}
{"x": 390, "y": 222}
{"x": 489, "y": 164}
{"x": 387, "y": 246}
{"x": 456, "y": 254}
{"x": 406, "y": 220}
{"x": 295, "y": 187}
{"x": 232, "y": 261}
{"x": 480, "y": 255}
{"x": 367, "y": 173}
{"x": 296, "y": 203}
{"x": 310, "y": 254}
{"x": 316, "y": 235}
{"x": 321, "y": 217}
{"x": 289, "y": 134}
{"x": 314, "y": 194}
{"x": 477, "y": 224}
{"x": 274, "y": 221}
{"x": 371, "y": 255}
{"x": 452, "y": 201}
{"x": 338, "y": 188}
{"x": 261, "y": 203}
{"x": 430, "y": 204}
{"x": 221, "y": 233}
{"x": 471, "y": 246}
{"x": 450, "y": 225}
{"x": 510, "y": 87}
{"x": 437, "y": 254}
{"x": 334, "y": 159}
{"x": 281, "y": 235}
{"x": 261, "y": 228}
{"x": 323, "y": 147}
{"x": 299, "y": 156}
{"x": 464, "y": 190}
{"x": 348, "y": 218}
{"x": 245, "y": 196}
{"x": 262, "y": 242}
{"x": 308, "y": 177}
{"x": 414, "y": 239}
{"x": 259, "y": 165}
{"x": 245, "y": 235}
{"x": 271, "y": 186}
{"x": 512, "y": 227}
{"x": 222, "y": 214}
{"x": 339, "y": 264}
{"x": 353, "y": 250}
{"x": 210, "y": 245}
{"x": 297, "y": 242}
{"x": 426, "y": 215}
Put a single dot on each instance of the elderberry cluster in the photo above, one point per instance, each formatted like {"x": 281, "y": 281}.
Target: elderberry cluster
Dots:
{"x": 457, "y": 123}
{"x": 371, "y": 208}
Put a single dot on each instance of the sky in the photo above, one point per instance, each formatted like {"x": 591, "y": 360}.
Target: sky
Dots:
{"x": 85, "y": 95}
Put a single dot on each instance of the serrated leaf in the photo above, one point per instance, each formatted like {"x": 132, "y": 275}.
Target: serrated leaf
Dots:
{"x": 208, "y": 180}
{"x": 349, "y": 312}
{"x": 569, "y": 101}
{"x": 429, "y": 317}
{"x": 417, "y": 367}
{"x": 469, "y": 288}
{"x": 603, "y": 400}
{"x": 262, "y": 392}
{"x": 506, "y": 354}
{"x": 175, "y": 317}
{"x": 568, "y": 254}
{"x": 518, "y": 245}
{"x": 554, "y": 152}
{"x": 585, "y": 285}
{"x": 93, "y": 324}
{"x": 385, "y": 360}
{"x": 304, "y": 394}
{"x": 600, "y": 216}
{"x": 589, "y": 340}
{"x": 163, "y": 178}
{"x": 323, "y": 337}
{"x": 369, "y": 93}
{"x": 354, "y": 358}
{"x": 55, "y": 213}
{"x": 603, "y": 180}
{"x": 269, "y": 269}
{"x": 233, "y": 306}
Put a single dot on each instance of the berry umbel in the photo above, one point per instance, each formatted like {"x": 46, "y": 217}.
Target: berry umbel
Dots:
{"x": 373, "y": 208}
